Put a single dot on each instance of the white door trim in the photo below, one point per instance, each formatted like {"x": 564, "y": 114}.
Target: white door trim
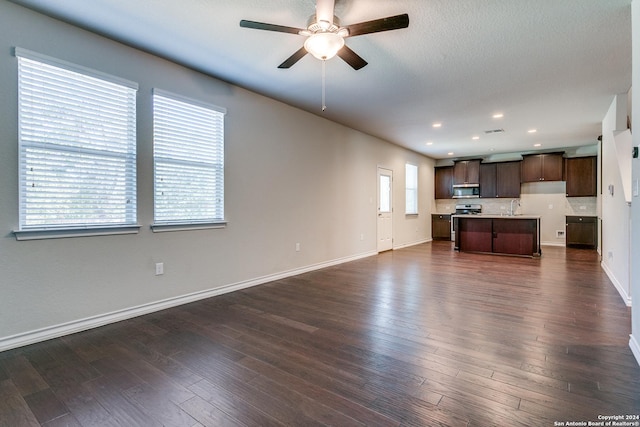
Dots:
{"x": 385, "y": 209}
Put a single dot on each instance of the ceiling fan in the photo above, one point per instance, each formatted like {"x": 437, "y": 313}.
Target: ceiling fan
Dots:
{"x": 325, "y": 36}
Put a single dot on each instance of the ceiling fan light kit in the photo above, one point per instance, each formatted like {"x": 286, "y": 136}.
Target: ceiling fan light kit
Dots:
{"x": 324, "y": 45}
{"x": 325, "y": 36}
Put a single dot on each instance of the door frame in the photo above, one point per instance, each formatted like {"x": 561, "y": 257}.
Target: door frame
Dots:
{"x": 388, "y": 245}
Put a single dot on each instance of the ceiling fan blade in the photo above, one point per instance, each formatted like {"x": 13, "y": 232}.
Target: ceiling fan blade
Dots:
{"x": 293, "y": 58}
{"x": 324, "y": 10}
{"x": 351, "y": 58}
{"x": 269, "y": 27}
{"x": 378, "y": 25}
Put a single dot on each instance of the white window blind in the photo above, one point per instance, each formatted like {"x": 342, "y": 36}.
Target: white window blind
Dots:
{"x": 188, "y": 150}
{"x": 77, "y": 143}
{"x": 411, "y": 200}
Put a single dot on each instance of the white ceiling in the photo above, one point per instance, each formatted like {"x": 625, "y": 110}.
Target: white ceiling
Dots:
{"x": 550, "y": 65}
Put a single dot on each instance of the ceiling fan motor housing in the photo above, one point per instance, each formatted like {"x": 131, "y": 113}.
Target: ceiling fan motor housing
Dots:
{"x": 314, "y": 25}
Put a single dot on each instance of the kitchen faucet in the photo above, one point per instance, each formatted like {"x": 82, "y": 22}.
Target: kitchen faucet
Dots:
{"x": 511, "y": 211}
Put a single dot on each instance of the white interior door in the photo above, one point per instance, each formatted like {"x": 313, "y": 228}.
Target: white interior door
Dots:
{"x": 385, "y": 210}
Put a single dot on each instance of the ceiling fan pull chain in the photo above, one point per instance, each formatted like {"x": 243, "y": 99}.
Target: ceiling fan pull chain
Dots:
{"x": 324, "y": 71}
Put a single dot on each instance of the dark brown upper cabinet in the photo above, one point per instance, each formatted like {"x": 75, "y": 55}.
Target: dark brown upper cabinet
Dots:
{"x": 466, "y": 172}
{"x": 542, "y": 167}
{"x": 581, "y": 175}
{"x": 508, "y": 176}
{"x": 488, "y": 180}
{"x": 500, "y": 179}
{"x": 443, "y": 182}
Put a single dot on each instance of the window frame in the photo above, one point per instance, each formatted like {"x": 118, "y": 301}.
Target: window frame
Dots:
{"x": 75, "y": 148}
{"x": 189, "y": 223}
{"x": 411, "y": 189}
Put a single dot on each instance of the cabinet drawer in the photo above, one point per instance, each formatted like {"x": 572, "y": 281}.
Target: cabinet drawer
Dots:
{"x": 582, "y": 219}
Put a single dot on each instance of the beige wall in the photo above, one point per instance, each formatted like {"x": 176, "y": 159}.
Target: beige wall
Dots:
{"x": 615, "y": 210}
{"x": 291, "y": 177}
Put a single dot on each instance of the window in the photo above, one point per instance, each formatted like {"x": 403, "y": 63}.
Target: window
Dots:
{"x": 411, "y": 176}
{"x": 385, "y": 194}
{"x": 188, "y": 150}
{"x": 77, "y": 146}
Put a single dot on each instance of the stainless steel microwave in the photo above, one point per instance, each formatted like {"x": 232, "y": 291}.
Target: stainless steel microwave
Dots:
{"x": 466, "y": 191}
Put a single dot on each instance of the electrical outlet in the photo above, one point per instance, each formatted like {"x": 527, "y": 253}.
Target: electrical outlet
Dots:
{"x": 361, "y": 236}
{"x": 560, "y": 234}
{"x": 550, "y": 206}
{"x": 297, "y": 247}
{"x": 583, "y": 208}
{"x": 159, "y": 268}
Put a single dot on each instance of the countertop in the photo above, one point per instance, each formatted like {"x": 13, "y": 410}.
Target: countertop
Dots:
{"x": 516, "y": 216}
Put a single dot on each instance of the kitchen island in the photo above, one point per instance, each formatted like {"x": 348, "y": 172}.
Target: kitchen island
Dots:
{"x": 498, "y": 234}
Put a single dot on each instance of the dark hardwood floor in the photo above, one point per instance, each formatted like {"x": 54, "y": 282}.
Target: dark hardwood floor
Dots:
{"x": 422, "y": 336}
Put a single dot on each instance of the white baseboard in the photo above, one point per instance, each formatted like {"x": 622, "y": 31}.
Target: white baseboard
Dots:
{"x": 635, "y": 348}
{"x": 55, "y": 331}
{"x": 406, "y": 245}
{"x": 623, "y": 293}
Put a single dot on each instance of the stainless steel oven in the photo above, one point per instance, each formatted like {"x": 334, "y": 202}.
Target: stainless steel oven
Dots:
{"x": 464, "y": 209}
{"x": 468, "y": 209}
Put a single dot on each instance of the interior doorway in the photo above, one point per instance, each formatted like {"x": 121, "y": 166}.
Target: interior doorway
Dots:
{"x": 385, "y": 209}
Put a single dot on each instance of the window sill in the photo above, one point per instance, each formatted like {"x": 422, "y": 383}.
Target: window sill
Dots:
{"x": 187, "y": 226}
{"x": 63, "y": 233}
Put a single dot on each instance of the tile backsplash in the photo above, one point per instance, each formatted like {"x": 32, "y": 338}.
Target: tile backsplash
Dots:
{"x": 581, "y": 206}
{"x": 445, "y": 206}
{"x": 573, "y": 205}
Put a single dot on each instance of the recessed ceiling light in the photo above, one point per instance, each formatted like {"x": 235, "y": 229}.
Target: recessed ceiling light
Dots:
{"x": 437, "y": 125}
{"x": 532, "y": 130}
{"x": 451, "y": 154}
{"x": 429, "y": 143}
{"x": 537, "y": 145}
{"x": 475, "y": 137}
{"x": 498, "y": 116}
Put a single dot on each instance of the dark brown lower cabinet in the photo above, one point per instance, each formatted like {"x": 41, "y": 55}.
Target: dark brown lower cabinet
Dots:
{"x": 474, "y": 235}
{"x": 441, "y": 226}
{"x": 508, "y": 236}
{"x": 582, "y": 232}
{"x": 514, "y": 236}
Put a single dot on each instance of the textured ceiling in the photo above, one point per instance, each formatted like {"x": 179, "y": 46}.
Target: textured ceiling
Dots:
{"x": 550, "y": 65}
